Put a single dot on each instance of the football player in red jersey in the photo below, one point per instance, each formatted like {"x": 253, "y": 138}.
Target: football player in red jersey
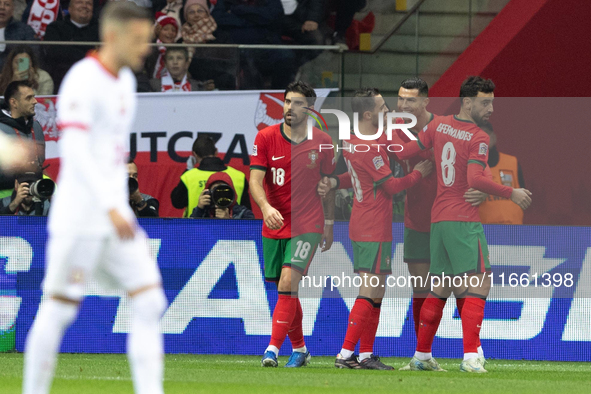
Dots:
{"x": 286, "y": 167}
{"x": 458, "y": 245}
{"x": 413, "y": 98}
{"x": 370, "y": 227}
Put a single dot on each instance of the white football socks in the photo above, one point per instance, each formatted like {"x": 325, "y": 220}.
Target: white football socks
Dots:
{"x": 301, "y": 349}
{"x": 423, "y": 356}
{"x": 273, "y": 349}
{"x": 468, "y": 356}
{"x": 364, "y": 355}
{"x": 43, "y": 343}
{"x": 480, "y": 351}
{"x": 346, "y": 353}
{"x": 145, "y": 344}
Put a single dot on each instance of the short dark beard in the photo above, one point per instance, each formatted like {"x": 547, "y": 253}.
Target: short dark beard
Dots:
{"x": 478, "y": 120}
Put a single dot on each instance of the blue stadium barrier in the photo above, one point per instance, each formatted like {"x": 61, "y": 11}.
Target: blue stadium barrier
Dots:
{"x": 220, "y": 304}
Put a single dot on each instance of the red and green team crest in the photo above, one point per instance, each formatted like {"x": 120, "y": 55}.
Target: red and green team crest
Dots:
{"x": 313, "y": 156}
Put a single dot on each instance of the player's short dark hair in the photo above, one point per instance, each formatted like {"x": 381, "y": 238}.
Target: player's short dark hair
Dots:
{"x": 123, "y": 11}
{"x": 204, "y": 146}
{"x": 302, "y": 88}
{"x": 12, "y": 90}
{"x": 474, "y": 84}
{"x": 364, "y": 99}
{"x": 130, "y": 160}
{"x": 182, "y": 50}
{"x": 416, "y": 83}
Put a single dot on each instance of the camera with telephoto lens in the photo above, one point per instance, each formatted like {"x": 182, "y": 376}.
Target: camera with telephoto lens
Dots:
{"x": 39, "y": 187}
{"x": 133, "y": 185}
{"x": 222, "y": 196}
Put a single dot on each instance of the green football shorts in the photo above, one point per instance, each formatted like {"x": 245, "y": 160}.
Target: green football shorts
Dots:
{"x": 416, "y": 246}
{"x": 458, "y": 248}
{"x": 372, "y": 257}
{"x": 296, "y": 253}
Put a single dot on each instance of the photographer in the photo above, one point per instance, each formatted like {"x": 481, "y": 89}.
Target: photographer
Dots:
{"x": 218, "y": 200}
{"x": 186, "y": 194}
{"x": 30, "y": 196}
{"x": 143, "y": 205}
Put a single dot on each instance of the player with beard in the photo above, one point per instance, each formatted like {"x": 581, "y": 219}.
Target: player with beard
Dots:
{"x": 370, "y": 228}
{"x": 458, "y": 245}
{"x": 285, "y": 169}
{"x": 413, "y": 99}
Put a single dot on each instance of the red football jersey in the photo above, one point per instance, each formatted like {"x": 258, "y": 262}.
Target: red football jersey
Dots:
{"x": 455, "y": 143}
{"x": 292, "y": 175}
{"x": 419, "y": 198}
{"x": 371, "y": 216}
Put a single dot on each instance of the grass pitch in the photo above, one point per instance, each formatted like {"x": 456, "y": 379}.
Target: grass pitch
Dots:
{"x": 90, "y": 374}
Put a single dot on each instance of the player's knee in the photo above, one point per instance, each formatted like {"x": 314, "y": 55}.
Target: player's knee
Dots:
{"x": 150, "y": 304}
{"x": 286, "y": 282}
{"x": 60, "y": 312}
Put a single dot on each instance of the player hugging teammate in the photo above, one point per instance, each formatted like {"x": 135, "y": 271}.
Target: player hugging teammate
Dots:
{"x": 413, "y": 98}
{"x": 286, "y": 167}
{"x": 370, "y": 227}
{"x": 457, "y": 242}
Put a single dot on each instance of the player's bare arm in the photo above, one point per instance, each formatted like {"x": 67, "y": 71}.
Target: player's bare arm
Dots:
{"x": 328, "y": 203}
{"x": 125, "y": 229}
{"x": 272, "y": 217}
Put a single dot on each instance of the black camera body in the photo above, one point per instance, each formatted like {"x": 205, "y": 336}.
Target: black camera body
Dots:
{"x": 133, "y": 185}
{"x": 39, "y": 188}
{"x": 222, "y": 196}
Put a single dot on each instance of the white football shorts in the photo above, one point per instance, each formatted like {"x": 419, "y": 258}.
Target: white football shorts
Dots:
{"x": 73, "y": 261}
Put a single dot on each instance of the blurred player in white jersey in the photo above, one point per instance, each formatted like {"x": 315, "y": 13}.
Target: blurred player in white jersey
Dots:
{"x": 93, "y": 233}
{"x": 14, "y": 153}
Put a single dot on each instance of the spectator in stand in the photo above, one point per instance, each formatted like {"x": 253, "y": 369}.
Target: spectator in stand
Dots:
{"x": 19, "y": 9}
{"x": 257, "y": 22}
{"x": 17, "y": 119}
{"x": 165, "y": 30}
{"x": 216, "y": 64}
{"x": 143, "y": 205}
{"x": 346, "y": 10}
{"x": 199, "y": 25}
{"x": 220, "y": 185}
{"x": 186, "y": 194}
{"x": 11, "y": 29}
{"x": 170, "y": 8}
{"x": 505, "y": 170}
{"x": 301, "y": 23}
{"x": 175, "y": 77}
{"x": 22, "y": 65}
{"x": 79, "y": 25}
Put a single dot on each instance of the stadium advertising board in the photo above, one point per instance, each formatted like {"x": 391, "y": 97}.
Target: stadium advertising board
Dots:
{"x": 220, "y": 304}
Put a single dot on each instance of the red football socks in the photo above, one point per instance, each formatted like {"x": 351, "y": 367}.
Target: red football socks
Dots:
{"x": 359, "y": 319}
{"x": 283, "y": 316}
{"x": 431, "y": 314}
{"x": 418, "y": 299}
{"x": 295, "y": 333}
{"x": 460, "y": 305}
{"x": 368, "y": 336}
{"x": 472, "y": 316}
